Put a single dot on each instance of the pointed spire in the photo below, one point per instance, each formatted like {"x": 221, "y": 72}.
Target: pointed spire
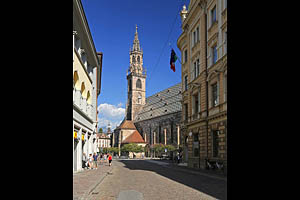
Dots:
{"x": 136, "y": 42}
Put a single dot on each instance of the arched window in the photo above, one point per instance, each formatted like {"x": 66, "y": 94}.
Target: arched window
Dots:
{"x": 82, "y": 90}
{"x": 138, "y": 83}
{"x": 88, "y": 97}
{"x": 76, "y": 80}
{"x": 138, "y": 59}
{"x": 133, "y": 59}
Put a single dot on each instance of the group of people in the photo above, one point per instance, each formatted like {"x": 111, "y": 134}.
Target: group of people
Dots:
{"x": 91, "y": 162}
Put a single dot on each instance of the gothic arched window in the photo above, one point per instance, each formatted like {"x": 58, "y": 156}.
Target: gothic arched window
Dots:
{"x": 133, "y": 59}
{"x": 138, "y": 59}
{"x": 138, "y": 83}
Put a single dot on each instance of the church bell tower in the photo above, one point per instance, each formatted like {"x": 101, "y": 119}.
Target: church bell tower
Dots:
{"x": 136, "y": 80}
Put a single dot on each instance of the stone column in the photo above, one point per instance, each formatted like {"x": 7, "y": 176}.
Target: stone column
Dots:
{"x": 154, "y": 138}
{"x": 79, "y": 151}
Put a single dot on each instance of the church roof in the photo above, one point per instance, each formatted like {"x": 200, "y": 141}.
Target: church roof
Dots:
{"x": 135, "y": 137}
{"x": 165, "y": 102}
{"x": 127, "y": 124}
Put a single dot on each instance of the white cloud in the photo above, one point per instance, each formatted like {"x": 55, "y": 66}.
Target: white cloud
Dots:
{"x": 109, "y": 110}
{"x": 112, "y": 114}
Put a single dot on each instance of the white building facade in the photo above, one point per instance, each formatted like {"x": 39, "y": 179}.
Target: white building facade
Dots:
{"x": 87, "y": 68}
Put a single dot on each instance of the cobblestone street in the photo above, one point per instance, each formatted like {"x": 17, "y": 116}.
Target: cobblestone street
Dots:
{"x": 150, "y": 180}
{"x": 85, "y": 181}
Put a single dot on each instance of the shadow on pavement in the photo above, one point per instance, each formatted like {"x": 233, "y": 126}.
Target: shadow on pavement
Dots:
{"x": 210, "y": 186}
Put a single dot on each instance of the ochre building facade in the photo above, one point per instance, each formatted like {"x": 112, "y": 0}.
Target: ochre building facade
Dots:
{"x": 203, "y": 46}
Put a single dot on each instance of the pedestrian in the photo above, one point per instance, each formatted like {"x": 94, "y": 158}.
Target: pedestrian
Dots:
{"x": 109, "y": 159}
{"x": 90, "y": 161}
{"x": 83, "y": 161}
{"x": 95, "y": 158}
{"x": 101, "y": 158}
{"x": 105, "y": 156}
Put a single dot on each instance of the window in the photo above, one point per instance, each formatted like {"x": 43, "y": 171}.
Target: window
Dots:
{"x": 196, "y": 145}
{"x": 138, "y": 84}
{"x": 186, "y": 112}
{"x": 214, "y": 94}
{"x": 195, "y": 69}
{"x": 185, "y": 56}
{"x": 196, "y": 104}
{"x": 77, "y": 43}
{"x": 198, "y": 67}
{"x": 225, "y": 42}
{"x": 138, "y": 59}
{"x": 215, "y": 141}
{"x": 133, "y": 59}
{"x": 83, "y": 58}
{"x": 214, "y": 54}
{"x": 198, "y": 34}
{"x": 213, "y": 15}
{"x": 185, "y": 82}
{"x": 194, "y": 38}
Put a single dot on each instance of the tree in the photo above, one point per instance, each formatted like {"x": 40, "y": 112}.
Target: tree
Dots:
{"x": 100, "y": 130}
{"x": 132, "y": 147}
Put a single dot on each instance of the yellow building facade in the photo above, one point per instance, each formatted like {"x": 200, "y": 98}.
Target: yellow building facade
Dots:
{"x": 203, "y": 46}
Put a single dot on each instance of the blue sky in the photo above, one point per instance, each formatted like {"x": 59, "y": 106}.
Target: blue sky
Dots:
{"x": 112, "y": 25}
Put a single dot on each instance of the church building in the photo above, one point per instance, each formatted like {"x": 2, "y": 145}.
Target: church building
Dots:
{"x": 151, "y": 120}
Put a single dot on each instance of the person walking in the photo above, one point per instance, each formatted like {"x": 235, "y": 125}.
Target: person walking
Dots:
{"x": 101, "y": 158}
{"x": 84, "y": 161}
{"x": 105, "y": 156}
{"x": 90, "y": 161}
{"x": 109, "y": 159}
{"x": 95, "y": 156}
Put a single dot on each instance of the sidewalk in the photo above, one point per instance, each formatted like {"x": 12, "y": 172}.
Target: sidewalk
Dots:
{"x": 211, "y": 173}
{"x": 84, "y": 182}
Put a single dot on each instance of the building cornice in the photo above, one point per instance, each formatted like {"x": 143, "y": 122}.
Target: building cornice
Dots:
{"x": 86, "y": 29}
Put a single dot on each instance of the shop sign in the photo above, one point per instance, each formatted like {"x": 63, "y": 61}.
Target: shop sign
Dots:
{"x": 75, "y": 134}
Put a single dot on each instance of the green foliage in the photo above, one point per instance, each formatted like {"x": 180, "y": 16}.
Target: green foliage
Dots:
{"x": 159, "y": 148}
{"x": 132, "y": 147}
{"x": 170, "y": 148}
{"x": 100, "y": 130}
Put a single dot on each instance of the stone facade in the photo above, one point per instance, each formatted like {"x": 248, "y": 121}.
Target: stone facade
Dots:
{"x": 203, "y": 45}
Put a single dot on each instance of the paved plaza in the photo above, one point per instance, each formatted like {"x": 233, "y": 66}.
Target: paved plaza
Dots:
{"x": 148, "y": 180}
